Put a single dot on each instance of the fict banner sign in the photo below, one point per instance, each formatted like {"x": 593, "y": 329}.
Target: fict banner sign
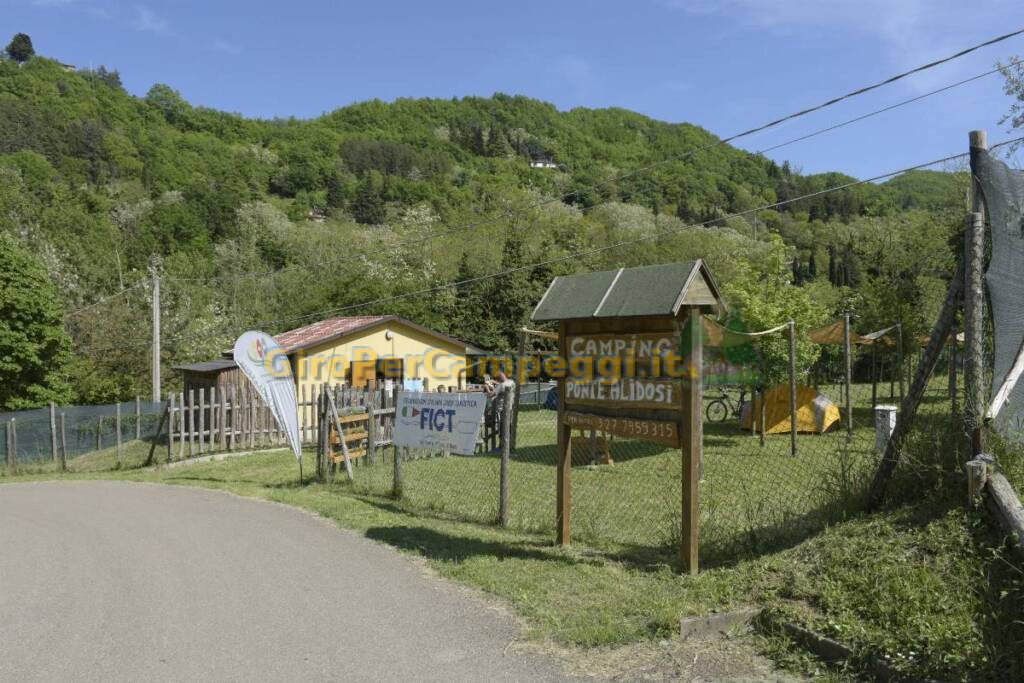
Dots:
{"x": 438, "y": 421}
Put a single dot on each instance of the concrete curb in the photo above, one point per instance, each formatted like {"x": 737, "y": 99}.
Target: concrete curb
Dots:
{"x": 215, "y": 457}
{"x": 716, "y": 625}
{"x": 829, "y": 650}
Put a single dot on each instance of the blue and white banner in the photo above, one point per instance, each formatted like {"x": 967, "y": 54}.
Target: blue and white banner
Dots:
{"x": 439, "y": 421}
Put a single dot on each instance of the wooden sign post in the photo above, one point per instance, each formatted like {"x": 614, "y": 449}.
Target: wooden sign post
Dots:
{"x": 630, "y": 345}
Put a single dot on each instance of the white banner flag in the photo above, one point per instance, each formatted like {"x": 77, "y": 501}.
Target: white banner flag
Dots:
{"x": 439, "y": 421}
{"x": 266, "y": 365}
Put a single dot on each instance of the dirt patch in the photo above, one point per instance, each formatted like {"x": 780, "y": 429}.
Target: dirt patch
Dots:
{"x": 693, "y": 659}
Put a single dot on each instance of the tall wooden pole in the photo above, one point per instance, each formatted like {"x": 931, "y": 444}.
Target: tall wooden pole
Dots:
{"x": 181, "y": 425}
{"x": 974, "y": 305}
{"x": 63, "y": 446}
{"x": 563, "y": 498}
{"x": 874, "y": 375}
{"x": 117, "y": 428}
{"x": 849, "y": 376}
{"x": 899, "y": 358}
{"x": 520, "y": 381}
{"x": 691, "y": 430}
{"x": 506, "y": 448}
{"x": 156, "y": 337}
{"x": 11, "y": 456}
{"x": 396, "y": 477}
{"x": 170, "y": 426}
{"x": 953, "y": 363}
{"x": 792, "y": 387}
{"x": 974, "y": 369}
{"x": 53, "y": 431}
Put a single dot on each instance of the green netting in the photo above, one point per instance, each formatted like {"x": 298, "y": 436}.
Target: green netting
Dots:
{"x": 86, "y": 429}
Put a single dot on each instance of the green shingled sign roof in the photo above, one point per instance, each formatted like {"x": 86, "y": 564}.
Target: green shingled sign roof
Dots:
{"x": 659, "y": 290}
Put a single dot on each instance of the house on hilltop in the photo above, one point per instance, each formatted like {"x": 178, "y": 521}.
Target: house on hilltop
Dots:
{"x": 543, "y": 162}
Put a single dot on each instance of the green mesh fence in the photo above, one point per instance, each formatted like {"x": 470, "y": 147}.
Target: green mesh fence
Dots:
{"x": 89, "y": 435}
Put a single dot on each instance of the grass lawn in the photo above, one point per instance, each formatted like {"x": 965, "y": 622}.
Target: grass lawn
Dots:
{"x": 754, "y": 496}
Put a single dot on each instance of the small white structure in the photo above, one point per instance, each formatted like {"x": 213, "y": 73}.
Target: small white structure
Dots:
{"x": 885, "y": 423}
{"x": 546, "y": 162}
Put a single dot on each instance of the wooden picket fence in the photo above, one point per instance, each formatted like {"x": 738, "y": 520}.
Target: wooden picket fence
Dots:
{"x": 225, "y": 419}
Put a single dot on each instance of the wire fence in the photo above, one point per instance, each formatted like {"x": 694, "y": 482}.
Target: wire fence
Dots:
{"x": 762, "y": 489}
{"x": 84, "y": 438}
{"x": 756, "y": 492}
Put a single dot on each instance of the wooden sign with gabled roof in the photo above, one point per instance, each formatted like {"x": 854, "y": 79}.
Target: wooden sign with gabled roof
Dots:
{"x": 636, "y": 318}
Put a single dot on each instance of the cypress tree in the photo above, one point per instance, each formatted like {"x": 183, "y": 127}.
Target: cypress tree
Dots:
{"x": 20, "y": 48}
{"x": 368, "y": 207}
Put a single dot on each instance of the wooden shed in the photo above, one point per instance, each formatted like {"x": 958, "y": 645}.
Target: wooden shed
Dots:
{"x": 210, "y": 374}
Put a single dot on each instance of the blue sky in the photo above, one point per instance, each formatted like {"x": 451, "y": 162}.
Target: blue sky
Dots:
{"x": 726, "y": 65}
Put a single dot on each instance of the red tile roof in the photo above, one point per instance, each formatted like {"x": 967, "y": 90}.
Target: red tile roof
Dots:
{"x": 325, "y": 329}
{"x": 333, "y": 328}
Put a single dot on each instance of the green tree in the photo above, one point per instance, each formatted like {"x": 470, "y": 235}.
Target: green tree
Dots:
{"x": 1013, "y": 73}
{"x": 335, "y": 191}
{"x": 34, "y": 349}
{"x": 467, "y": 319}
{"x": 368, "y": 207}
{"x": 767, "y": 299}
{"x": 512, "y": 295}
{"x": 498, "y": 145}
{"x": 20, "y": 48}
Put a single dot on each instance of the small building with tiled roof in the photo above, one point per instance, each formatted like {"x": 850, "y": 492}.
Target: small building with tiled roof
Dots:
{"x": 353, "y": 350}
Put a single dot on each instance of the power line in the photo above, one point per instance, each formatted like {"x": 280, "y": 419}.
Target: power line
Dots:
{"x": 108, "y": 297}
{"x": 723, "y": 141}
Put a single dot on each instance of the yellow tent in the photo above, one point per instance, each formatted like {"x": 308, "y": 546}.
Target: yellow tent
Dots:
{"x": 814, "y": 412}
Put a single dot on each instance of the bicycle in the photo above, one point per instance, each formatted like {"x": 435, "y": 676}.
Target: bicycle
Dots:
{"x": 722, "y": 407}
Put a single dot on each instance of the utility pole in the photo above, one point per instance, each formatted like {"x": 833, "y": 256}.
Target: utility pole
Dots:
{"x": 156, "y": 335}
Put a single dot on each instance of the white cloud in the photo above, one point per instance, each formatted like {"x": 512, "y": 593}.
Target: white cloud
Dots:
{"x": 908, "y": 32}
{"x": 148, "y": 20}
{"x": 75, "y": 5}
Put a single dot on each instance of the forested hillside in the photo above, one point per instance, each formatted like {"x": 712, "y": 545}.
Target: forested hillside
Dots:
{"x": 274, "y": 224}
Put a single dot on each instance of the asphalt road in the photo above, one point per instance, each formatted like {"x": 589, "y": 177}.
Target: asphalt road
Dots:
{"x": 104, "y": 581}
